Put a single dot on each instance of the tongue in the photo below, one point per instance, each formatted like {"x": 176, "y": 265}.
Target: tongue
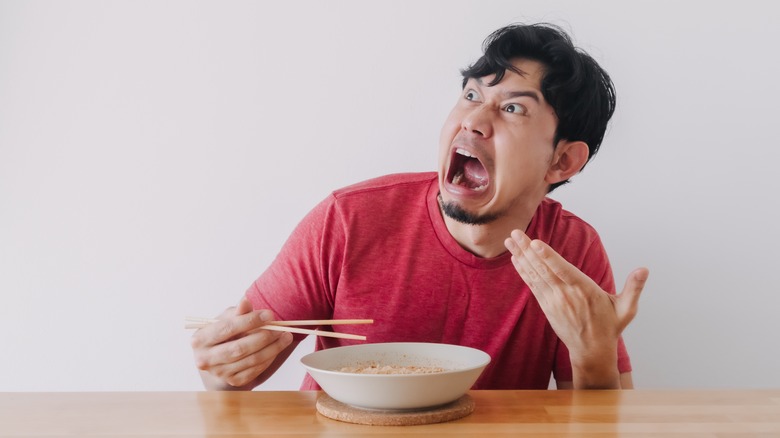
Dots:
{"x": 474, "y": 174}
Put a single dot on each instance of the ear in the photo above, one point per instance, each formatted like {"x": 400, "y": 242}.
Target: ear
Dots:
{"x": 568, "y": 159}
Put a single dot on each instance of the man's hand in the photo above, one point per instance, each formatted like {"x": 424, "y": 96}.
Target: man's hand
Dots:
{"x": 233, "y": 352}
{"x": 587, "y": 319}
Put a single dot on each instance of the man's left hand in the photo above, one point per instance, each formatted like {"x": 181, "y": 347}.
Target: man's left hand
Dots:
{"x": 587, "y": 319}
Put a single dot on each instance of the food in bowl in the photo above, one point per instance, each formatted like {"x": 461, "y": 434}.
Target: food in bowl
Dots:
{"x": 391, "y": 369}
{"x": 461, "y": 366}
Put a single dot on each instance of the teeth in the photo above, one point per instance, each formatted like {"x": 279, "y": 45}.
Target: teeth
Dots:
{"x": 463, "y": 152}
{"x": 457, "y": 178}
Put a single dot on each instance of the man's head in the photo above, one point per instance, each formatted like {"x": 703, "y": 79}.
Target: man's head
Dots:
{"x": 576, "y": 87}
{"x": 533, "y": 111}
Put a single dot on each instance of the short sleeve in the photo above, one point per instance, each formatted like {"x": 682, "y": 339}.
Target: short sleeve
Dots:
{"x": 300, "y": 282}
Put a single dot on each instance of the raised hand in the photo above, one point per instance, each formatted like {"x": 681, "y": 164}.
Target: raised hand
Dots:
{"x": 587, "y": 319}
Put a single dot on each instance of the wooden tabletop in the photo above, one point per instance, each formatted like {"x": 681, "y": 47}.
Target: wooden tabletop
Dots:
{"x": 642, "y": 413}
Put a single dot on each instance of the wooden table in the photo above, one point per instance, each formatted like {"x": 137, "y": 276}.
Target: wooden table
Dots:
{"x": 643, "y": 413}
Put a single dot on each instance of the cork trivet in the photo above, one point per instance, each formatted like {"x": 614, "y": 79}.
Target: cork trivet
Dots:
{"x": 337, "y": 410}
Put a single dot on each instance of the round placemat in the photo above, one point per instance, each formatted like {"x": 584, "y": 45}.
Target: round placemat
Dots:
{"x": 337, "y": 410}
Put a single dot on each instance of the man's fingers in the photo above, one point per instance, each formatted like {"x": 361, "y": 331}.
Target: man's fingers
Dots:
{"x": 627, "y": 303}
{"x": 530, "y": 277}
{"x": 541, "y": 261}
{"x": 517, "y": 244}
{"x": 228, "y": 328}
{"x": 244, "y": 306}
{"x": 245, "y": 376}
{"x": 242, "y": 371}
{"x": 239, "y": 350}
{"x": 555, "y": 270}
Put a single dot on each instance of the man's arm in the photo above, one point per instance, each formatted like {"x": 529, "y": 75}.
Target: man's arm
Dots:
{"x": 587, "y": 319}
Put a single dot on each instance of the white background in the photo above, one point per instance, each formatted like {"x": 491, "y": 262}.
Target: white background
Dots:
{"x": 155, "y": 155}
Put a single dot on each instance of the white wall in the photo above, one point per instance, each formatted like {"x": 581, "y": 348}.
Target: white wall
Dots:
{"x": 155, "y": 155}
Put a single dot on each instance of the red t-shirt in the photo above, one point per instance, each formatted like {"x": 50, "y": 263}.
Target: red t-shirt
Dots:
{"x": 380, "y": 249}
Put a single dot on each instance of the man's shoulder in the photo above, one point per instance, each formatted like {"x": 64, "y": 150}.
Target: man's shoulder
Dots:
{"x": 556, "y": 225}
{"x": 398, "y": 182}
{"x": 388, "y": 201}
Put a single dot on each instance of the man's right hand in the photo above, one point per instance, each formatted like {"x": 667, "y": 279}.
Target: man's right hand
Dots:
{"x": 233, "y": 352}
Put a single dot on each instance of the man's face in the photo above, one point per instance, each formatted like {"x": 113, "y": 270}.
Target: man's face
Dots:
{"x": 496, "y": 147}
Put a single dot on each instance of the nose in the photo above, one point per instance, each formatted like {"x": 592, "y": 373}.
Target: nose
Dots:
{"x": 479, "y": 121}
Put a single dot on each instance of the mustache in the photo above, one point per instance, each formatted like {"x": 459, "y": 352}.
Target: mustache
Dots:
{"x": 474, "y": 144}
{"x": 468, "y": 140}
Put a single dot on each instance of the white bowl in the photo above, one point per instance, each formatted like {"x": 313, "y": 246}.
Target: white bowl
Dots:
{"x": 462, "y": 365}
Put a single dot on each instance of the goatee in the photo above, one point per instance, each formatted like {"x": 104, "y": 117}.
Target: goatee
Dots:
{"x": 454, "y": 211}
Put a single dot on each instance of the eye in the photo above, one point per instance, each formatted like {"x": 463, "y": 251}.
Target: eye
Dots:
{"x": 471, "y": 95}
{"x": 515, "y": 108}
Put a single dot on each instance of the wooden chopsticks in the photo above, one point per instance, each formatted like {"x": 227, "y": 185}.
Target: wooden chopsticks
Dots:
{"x": 195, "y": 322}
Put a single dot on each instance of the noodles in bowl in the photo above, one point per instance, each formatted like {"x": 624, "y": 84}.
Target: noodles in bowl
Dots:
{"x": 391, "y": 369}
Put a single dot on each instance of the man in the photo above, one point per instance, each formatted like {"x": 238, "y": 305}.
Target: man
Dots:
{"x": 474, "y": 255}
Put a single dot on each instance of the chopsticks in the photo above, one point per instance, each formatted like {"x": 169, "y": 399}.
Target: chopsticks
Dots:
{"x": 195, "y": 322}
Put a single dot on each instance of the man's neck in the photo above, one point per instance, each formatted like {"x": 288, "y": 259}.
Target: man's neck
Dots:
{"x": 487, "y": 241}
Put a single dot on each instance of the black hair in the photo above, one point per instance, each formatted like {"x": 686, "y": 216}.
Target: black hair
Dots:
{"x": 580, "y": 92}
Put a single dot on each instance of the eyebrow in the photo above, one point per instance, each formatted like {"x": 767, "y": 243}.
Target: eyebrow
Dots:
{"x": 532, "y": 94}
{"x": 512, "y": 94}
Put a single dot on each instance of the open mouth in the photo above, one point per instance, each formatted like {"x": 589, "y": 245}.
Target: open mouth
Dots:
{"x": 467, "y": 171}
